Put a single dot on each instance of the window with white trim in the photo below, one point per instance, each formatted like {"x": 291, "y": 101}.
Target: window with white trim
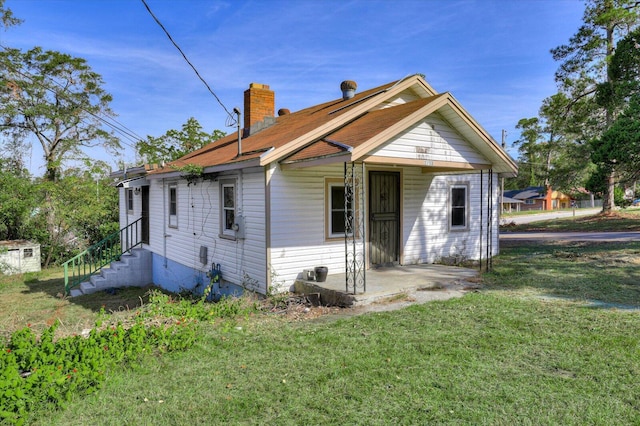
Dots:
{"x": 335, "y": 209}
{"x": 130, "y": 200}
{"x": 28, "y": 252}
{"x": 173, "y": 205}
{"x": 228, "y": 208}
{"x": 458, "y": 212}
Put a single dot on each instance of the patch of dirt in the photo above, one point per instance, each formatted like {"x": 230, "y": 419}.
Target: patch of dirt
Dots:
{"x": 563, "y": 254}
{"x": 295, "y": 308}
{"x": 612, "y": 215}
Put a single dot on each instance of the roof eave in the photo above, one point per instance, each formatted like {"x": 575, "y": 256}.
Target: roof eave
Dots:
{"x": 506, "y": 165}
{"x": 238, "y": 165}
{"x": 133, "y": 171}
{"x": 254, "y": 162}
{"x": 509, "y": 163}
{"x": 365, "y": 148}
{"x": 341, "y": 120}
{"x": 324, "y": 160}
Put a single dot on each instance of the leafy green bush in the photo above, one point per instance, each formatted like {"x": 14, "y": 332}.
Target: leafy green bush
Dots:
{"x": 619, "y": 197}
{"x": 41, "y": 373}
{"x": 35, "y": 372}
{"x": 186, "y": 307}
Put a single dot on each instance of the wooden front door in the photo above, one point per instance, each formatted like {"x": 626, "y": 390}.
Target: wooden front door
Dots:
{"x": 384, "y": 218}
{"x": 145, "y": 215}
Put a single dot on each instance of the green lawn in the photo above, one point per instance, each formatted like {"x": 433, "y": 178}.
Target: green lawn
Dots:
{"x": 530, "y": 348}
{"x": 37, "y": 299}
{"x": 485, "y": 359}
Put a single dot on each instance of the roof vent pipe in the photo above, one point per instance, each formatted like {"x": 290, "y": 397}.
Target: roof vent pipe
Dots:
{"x": 348, "y": 88}
{"x": 236, "y": 110}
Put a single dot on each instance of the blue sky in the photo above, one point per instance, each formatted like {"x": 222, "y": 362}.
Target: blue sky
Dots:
{"x": 493, "y": 56}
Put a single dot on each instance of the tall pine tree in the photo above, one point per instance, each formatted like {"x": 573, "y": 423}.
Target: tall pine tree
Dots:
{"x": 585, "y": 66}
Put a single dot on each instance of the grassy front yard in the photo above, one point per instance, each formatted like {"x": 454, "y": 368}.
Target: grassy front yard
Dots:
{"x": 485, "y": 359}
{"x": 531, "y": 348}
{"x": 36, "y": 299}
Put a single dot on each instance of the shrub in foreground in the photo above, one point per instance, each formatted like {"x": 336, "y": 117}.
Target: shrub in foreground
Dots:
{"x": 46, "y": 373}
{"x": 36, "y": 372}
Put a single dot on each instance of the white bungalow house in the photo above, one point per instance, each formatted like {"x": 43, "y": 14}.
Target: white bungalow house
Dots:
{"x": 395, "y": 175}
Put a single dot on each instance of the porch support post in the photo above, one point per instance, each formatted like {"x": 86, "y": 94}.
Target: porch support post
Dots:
{"x": 481, "y": 216}
{"x": 490, "y": 221}
{"x": 354, "y": 236}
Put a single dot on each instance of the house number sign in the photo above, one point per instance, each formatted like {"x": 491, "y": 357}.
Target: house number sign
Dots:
{"x": 422, "y": 153}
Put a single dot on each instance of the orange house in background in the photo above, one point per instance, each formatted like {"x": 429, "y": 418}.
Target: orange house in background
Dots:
{"x": 539, "y": 198}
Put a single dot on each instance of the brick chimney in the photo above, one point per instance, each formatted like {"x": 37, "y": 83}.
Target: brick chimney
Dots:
{"x": 548, "y": 198}
{"x": 259, "y": 103}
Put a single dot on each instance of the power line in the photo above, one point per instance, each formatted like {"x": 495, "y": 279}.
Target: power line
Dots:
{"x": 118, "y": 127}
{"x": 188, "y": 62}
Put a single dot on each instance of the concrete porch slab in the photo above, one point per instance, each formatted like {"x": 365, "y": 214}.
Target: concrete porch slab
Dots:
{"x": 432, "y": 282}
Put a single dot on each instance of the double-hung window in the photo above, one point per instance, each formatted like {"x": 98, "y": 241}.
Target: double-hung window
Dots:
{"x": 228, "y": 208}
{"x": 335, "y": 209}
{"x": 173, "y": 205}
{"x": 458, "y": 207}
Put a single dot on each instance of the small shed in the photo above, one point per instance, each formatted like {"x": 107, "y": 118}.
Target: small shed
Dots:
{"x": 19, "y": 256}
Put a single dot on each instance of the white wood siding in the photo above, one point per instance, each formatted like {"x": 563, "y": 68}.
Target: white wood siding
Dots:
{"x": 122, "y": 207}
{"x": 298, "y": 219}
{"x": 297, "y": 224}
{"x": 426, "y": 234}
{"x": 432, "y": 139}
{"x": 252, "y": 263}
{"x": 297, "y": 212}
{"x": 125, "y": 217}
{"x": 243, "y": 261}
{"x": 156, "y": 216}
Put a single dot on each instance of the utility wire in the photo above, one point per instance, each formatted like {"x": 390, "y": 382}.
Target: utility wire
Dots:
{"x": 188, "y": 62}
{"x": 118, "y": 127}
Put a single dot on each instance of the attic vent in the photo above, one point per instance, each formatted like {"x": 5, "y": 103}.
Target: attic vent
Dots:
{"x": 283, "y": 111}
{"x": 348, "y": 88}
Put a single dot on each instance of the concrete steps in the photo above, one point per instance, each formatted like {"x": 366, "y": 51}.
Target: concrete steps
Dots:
{"x": 132, "y": 270}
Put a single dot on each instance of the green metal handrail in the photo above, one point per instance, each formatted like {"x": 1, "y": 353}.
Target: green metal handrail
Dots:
{"x": 90, "y": 261}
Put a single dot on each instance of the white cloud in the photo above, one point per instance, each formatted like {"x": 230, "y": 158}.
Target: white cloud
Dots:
{"x": 492, "y": 55}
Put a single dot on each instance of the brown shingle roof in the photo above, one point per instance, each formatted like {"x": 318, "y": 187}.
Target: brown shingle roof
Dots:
{"x": 360, "y": 130}
{"x": 321, "y": 148}
{"x": 287, "y": 128}
{"x": 337, "y": 127}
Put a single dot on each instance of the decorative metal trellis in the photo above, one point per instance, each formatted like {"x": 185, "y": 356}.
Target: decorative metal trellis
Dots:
{"x": 354, "y": 236}
{"x": 490, "y": 221}
{"x": 489, "y": 218}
